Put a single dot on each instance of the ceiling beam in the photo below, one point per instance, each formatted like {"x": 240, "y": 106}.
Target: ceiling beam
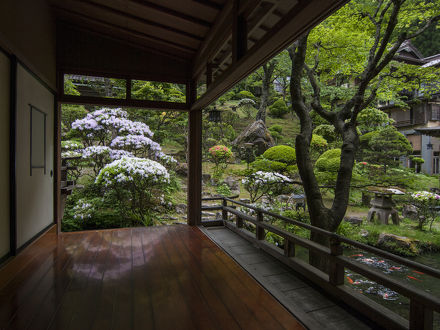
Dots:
{"x": 132, "y": 103}
{"x": 95, "y": 21}
{"x": 219, "y": 34}
{"x": 171, "y": 12}
{"x": 139, "y": 19}
{"x": 209, "y": 4}
{"x": 297, "y": 21}
{"x": 260, "y": 16}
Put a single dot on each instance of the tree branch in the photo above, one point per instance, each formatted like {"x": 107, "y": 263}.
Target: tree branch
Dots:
{"x": 316, "y": 103}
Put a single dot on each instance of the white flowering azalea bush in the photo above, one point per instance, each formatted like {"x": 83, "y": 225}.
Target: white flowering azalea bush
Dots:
{"x": 426, "y": 203}
{"x": 267, "y": 184}
{"x": 138, "y": 184}
{"x": 129, "y": 169}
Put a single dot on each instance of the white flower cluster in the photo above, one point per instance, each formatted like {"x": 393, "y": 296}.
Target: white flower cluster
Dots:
{"x": 135, "y": 128}
{"x": 135, "y": 142}
{"x": 261, "y": 177}
{"x": 118, "y": 154}
{"x": 169, "y": 160}
{"x": 83, "y": 210}
{"x": 133, "y": 170}
{"x": 70, "y": 154}
{"x": 116, "y": 118}
{"x": 71, "y": 145}
{"x": 425, "y": 196}
{"x": 95, "y": 150}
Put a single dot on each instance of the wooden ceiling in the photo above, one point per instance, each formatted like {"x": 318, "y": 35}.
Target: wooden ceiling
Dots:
{"x": 209, "y": 36}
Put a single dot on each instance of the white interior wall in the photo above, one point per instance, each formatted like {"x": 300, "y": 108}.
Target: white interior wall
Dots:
{"x": 4, "y": 152}
{"x": 34, "y": 193}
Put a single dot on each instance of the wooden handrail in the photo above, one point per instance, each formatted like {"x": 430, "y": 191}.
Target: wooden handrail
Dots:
{"x": 409, "y": 263}
{"x": 422, "y": 303}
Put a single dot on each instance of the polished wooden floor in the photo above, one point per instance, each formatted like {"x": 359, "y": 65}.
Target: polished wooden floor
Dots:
{"x": 170, "y": 277}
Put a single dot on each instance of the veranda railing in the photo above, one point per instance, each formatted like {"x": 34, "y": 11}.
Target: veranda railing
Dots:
{"x": 422, "y": 303}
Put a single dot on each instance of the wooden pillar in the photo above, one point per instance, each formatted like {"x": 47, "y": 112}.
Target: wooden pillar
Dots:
{"x": 239, "y": 33}
{"x": 13, "y": 157}
{"x": 194, "y": 210}
{"x": 57, "y": 166}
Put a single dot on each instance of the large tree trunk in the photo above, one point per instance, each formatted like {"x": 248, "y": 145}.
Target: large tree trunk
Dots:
{"x": 268, "y": 69}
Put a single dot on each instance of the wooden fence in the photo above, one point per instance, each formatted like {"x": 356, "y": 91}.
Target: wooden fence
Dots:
{"x": 422, "y": 303}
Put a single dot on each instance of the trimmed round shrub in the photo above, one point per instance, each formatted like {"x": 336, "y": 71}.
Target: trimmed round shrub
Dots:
{"x": 283, "y": 154}
{"x": 278, "y": 109}
{"x": 220, "y": 154}
{"x": 266, "y": 165}
{"x": 326, "y": 131}
{"x": 418, "y": 160}
{"x": 276, "y": 128}
{"x": 247, "y": 95}
{"x": 329, "y": 161}
{"x": 318, "y": 143}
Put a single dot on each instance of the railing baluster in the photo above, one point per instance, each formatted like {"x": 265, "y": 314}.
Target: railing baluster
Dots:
{"x": 224, "y": 212}
{"x": 260, "y": 233}
{"x": 420, "y": 316}
{"x": 238, "y": 221}
{"x": 289, "y": 248}
{"x": 336, "y": 270}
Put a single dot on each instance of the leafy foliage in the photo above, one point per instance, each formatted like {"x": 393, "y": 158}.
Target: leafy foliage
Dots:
{"x": 278, "y": 109}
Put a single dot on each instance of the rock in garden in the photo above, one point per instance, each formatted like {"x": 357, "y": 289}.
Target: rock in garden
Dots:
{"x": 235, "y": 192}
{"x": 392, "y": 242}
{"x": 181, "y": 208}
{"x": 182, "y": 169}
{"x": 206, "y": 177}
{"x": 409, "y": 211}
{"x": 353, "y": 220}
{"x": 232, "y": 183}
{"x": 364, "y": 233}
{"x": 218, "y": 216}
{"x": 257, "y": 134}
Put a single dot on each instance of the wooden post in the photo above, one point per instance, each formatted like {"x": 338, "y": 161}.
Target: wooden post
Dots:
{"x": 289, "y": 248}
{"x": 58, "y": 216}
{"x": 260, "y": 230}
{"x": 238, "y": 222}
{"x": 194, "y": 212}
{"x": 336, "y": 271}
{"x": 239, "y": 33}
{"x": 420, "y": 316}
{"x": 224, "y": 212}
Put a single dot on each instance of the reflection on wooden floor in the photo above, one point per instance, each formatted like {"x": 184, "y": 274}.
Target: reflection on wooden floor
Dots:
{"x": 170, "y": 277}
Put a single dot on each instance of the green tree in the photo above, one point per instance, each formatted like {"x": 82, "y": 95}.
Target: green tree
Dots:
{"x": 342, "y": 67}
{"x": 386, "y": 146}
{"x": 371, "y": 119}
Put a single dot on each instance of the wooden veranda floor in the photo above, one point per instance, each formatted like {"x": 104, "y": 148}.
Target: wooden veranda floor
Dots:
{"x": 170, "y": 277}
